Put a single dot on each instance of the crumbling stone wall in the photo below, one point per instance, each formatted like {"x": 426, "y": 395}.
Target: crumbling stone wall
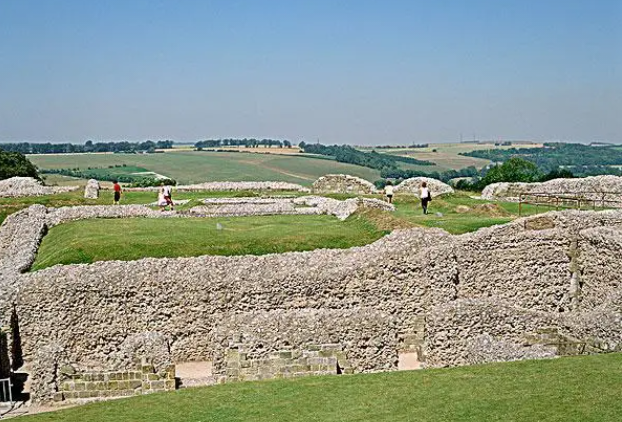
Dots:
{"x": 91, "y": 190}
{"x": 413, "y": 185}
{"x": 15, "y": 187}
{"x": 537, "y": 287}
{"x": 343, "y": 183}
{"x": 596, "y": 188}
{"x": 231, "y": 186}
{"x": 87, "y": 386}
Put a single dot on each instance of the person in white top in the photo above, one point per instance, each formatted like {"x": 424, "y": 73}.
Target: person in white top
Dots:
{"x": 388, "y": 191}
{"x": 161, "y": 199}
{"x": 426, "y": 197}
{"x": 168, "y": 196}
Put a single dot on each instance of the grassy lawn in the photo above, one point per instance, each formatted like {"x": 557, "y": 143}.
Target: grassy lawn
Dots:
{"x": 586, "y": 389}
{"x": 87, "y": 241}
{"x": 194, "y": 166}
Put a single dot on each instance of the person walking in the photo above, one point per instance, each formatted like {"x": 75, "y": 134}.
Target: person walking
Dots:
{"x": 117, "y": 192}
{"x": 388, "y": 191}
{"x": 426, "y": 197}
{"x": 168, "y": 196}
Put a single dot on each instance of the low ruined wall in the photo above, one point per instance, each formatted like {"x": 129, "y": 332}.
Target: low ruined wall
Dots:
{"x": 413, "y": 185}
{"x": 596, "y": 188}
{"x": 304, "y": 205}
{"x": 536, "y": 287}
{"x": 27, "y": 186}
{"x": 343, "y": 183}
{"x": 230, "y": 186}
{"x": 104, "y": 385}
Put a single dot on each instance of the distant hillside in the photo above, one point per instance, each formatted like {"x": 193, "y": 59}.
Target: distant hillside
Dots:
{"x": 581, "y": 159}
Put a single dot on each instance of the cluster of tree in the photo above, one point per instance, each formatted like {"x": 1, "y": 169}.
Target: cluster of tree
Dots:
{"x": 14, "y": 164}
{"x": 89, "y": 146}
{"x": 582, "y": 159}
{"x": 513, "y": 170}
{"x": 95, "y": 173}
{"x": 248, "y": 143}
{"x": 351, "y": 155}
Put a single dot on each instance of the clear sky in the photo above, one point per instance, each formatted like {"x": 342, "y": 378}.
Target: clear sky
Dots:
{"x": 364, "y": 72}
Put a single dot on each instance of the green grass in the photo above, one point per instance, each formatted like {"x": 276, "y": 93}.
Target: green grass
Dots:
{"x": 194, "y": 167}
{"x": 87, "y": 241}
{"x": 586, "y": 389}
{"x": 93, "y": 240}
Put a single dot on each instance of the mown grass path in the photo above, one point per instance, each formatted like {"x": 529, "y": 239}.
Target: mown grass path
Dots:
{"x": 586, "y": 389}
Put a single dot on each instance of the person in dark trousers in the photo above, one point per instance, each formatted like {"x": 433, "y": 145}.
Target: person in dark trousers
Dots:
{"x": 426, "y": 197}
{"x": 117, "y": 192}
{"x": 388, "y": 190}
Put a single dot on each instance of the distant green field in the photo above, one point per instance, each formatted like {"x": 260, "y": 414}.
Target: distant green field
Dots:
{"x": 194, "y": 167}
{"x": 446, "y": 155}
{"x": 569, "y": 389}
{"x": 87, "y": 241}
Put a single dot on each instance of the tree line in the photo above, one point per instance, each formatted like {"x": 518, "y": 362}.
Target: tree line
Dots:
{"x": 582, "y": 160}
{"x": 246, "y": 142}
{"x": 88, "y": 146}
{"x": 351, "y": 155}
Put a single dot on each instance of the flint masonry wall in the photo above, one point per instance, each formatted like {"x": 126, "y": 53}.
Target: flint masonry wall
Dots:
{"x": 536, "y": 287}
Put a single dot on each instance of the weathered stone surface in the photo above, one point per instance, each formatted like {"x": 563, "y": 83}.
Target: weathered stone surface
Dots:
{"x": 596, "y": 188}
{"x": 413, "y": 185}
{"x": 296, "y": 205}
{"x": 231, "y": 186}
{"x": 91, "y": 190}
{"x": 27, "y": 186}
{"x": 343, "y": 183}
{"x": 502, "y": 293}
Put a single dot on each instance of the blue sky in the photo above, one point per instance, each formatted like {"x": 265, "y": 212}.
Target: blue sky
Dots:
{"x": 364, "y": 72}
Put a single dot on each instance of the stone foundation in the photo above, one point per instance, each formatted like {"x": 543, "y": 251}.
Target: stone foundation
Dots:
{"x": 105, "y": 385}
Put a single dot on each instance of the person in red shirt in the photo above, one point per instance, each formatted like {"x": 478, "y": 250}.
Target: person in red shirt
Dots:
{"x": 117, "y": 192}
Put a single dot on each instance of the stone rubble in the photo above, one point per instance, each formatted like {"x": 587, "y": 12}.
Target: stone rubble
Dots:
{"x": 230, "y": 186}
{"x": 413, "y": 185}
{"x": 91, "y": 190}
{"x": 15, "y": 187}
{"x": 343, "y": 183}
{"x": 596, "y": 188}
{"x": 304, "y": 205}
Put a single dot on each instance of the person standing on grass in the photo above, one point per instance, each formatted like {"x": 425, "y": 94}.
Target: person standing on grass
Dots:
{"x": 388, "y": 191}
{"x": 117, "y": 192}
{"x": 162, "y": 202}
{"x": 426, "y": 197}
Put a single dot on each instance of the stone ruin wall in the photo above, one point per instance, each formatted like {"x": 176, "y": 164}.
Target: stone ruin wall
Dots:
{"x": 343, "y": 183}
{"x": 230, "y": 187}
{"x": 537, "y": 287}
{"x": 413, "y": 185}
{"x": 595, "y": 188}
{"x": 16, "y": 187}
